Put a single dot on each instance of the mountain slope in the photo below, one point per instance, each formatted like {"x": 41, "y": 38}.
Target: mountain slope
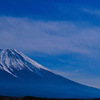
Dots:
{"x": 21, "y": 76}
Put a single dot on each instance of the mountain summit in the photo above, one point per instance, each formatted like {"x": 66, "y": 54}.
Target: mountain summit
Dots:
{"x": 22, "y": 76}
{"x": 13, "y": 62}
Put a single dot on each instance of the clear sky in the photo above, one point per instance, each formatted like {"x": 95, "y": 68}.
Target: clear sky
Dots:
{"x": 62, "y": 35}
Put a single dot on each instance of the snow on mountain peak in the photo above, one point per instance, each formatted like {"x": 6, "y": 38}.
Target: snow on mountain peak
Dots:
{"x": 13, "y": 61}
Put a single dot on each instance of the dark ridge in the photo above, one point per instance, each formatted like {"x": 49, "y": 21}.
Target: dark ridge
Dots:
{"x": 36, "y": 98}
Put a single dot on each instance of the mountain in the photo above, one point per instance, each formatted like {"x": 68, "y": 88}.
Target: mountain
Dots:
{"x": 22, "y": 76}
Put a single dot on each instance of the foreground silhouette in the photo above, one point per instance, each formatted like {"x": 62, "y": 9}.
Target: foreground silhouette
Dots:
{"x": 35, "y": 98}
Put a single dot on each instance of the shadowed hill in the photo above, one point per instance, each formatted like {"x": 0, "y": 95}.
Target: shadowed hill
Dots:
{"x": 35, "y": 98}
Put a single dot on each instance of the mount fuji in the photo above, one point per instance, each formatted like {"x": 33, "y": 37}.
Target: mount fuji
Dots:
{"x": 22, "y": 76}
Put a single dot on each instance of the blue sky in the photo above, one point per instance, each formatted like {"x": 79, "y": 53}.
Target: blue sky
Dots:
{"x": 62, "y": 35}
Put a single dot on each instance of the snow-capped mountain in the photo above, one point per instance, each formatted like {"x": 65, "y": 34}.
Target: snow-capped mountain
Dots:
{"x": 13, "y": 62}
{"x": 22, "y": 76}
